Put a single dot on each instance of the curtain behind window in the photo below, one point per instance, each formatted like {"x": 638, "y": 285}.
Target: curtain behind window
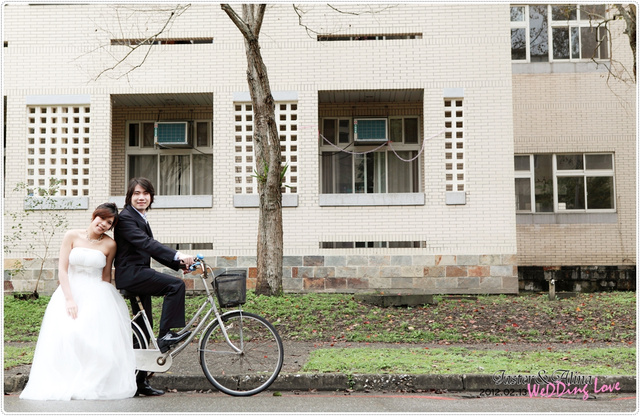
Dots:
{"x": 144, "y": 166}
{"x": 403, "y": 176}
{"x": 174, "y": 175}
{"x": 202, "y": 174}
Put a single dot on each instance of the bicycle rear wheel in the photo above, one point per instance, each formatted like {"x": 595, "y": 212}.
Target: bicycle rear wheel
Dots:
{"x": 139, "y": 339}
{"x": 249, "y": 371}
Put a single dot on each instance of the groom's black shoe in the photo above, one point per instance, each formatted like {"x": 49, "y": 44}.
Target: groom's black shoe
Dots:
{"x": 171, "y": 338}
{"x": 146, "y": 390}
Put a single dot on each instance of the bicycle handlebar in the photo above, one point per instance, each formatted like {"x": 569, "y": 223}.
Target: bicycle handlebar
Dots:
{"x": 199, "y": 260}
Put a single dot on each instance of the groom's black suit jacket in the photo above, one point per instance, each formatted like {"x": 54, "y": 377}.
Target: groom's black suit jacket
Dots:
{"x": 136, "y": 247}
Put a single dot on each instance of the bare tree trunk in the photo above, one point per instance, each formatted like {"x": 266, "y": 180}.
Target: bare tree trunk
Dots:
{"x": 267, "y": 152}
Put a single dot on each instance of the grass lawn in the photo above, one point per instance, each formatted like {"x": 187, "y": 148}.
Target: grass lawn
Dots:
{"x": 584, "y": 322}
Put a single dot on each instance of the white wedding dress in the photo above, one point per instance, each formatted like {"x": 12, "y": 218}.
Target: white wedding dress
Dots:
{"x": 90, "y": 357}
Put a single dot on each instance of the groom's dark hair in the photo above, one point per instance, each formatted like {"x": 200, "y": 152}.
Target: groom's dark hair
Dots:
{"x": 145, "y": 184}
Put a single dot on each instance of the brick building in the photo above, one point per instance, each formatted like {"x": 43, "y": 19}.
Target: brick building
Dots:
{"x": 425, "y": 151}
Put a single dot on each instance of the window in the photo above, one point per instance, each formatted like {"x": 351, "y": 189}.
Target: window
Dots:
{"x": 545, "y": 33}
{"x": 564, "y": 182}
{"x": 245, "y": 168}
{"x": 370, "y": 168}
{"x": 390, "y": 36}
{"x": 58, "y": 146}
{"x": 157, "y": 41}
{"x": 372, "y": 244}
{"x": 173, "y": 171}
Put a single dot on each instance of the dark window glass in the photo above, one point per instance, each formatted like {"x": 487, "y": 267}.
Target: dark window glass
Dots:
{"x": 148, "y": 135}
{"x": 600, "y": 192}
{"x": 343, "y": 133}
{"x": 203, "y": 134}
{"x": 560, "y": 42}
{"x": 522, "y": 163}
{"x": 538, "y": 34}
{"x": 571, "y": 192}
{"x": 569, "y": 162}
{"x": 564, "y": 12}
{"x": 592, "y": 12}
{"x": 395, "y": 130}
{"x": 411, "y": 130}
{"x": 599, "y": 162}
{"x": 543, "y": 174}
{"x": 518, "y": 44}
{"x": 329, "y": 130}
{"x": 523, "y": 194}
{"x": 134, "y": 134}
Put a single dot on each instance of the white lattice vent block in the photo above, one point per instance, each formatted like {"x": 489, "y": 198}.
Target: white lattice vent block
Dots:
{"x": 454, "y": 145}
{"x": 245, "y": 171}
{"x": 58, "y": 141}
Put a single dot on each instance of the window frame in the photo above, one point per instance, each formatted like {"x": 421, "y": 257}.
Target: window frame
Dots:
{"x": 567, "y": 173}
{"x": 352, "y": 146}
{"x": 140, "y": 149}
{"x": 578, "y": 23}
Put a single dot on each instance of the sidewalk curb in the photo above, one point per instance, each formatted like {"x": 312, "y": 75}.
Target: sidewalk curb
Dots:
{"x": 363, "y": 382}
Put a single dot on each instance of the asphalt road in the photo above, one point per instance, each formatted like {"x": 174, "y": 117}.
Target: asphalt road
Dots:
{"x": 332, "y": 402}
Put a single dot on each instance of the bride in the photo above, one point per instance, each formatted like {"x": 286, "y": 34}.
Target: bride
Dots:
{"x": 84, "y": 349}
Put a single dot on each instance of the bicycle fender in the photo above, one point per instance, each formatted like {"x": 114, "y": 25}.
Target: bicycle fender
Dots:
{"x": 149, "y": 360}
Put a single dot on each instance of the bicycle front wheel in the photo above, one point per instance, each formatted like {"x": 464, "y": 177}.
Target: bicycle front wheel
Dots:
{"x": 254, "y": 367}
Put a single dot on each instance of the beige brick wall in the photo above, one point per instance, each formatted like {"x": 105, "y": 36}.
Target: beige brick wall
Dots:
{"x": 72, "y": 47}
{"x": 581, "y": 113}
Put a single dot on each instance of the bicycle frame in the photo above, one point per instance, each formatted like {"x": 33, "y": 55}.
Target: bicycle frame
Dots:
{"x": 153, "y": 359}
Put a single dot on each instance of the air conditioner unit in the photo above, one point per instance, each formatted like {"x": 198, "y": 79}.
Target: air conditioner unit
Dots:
{"x": 171, "y": 133}
{"x": 370, "y": 130}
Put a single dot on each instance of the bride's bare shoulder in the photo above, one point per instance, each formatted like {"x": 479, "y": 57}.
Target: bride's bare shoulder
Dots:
{"x": 74, "y": 234}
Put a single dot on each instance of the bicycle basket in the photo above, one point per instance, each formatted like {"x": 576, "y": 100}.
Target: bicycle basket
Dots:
{"x": 231, "y": 288}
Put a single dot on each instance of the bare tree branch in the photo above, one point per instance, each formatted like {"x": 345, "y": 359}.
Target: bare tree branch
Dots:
{"x": 371, "y": 11}
{"x": 237, "y": 20}
{"x": 146, "y": 42}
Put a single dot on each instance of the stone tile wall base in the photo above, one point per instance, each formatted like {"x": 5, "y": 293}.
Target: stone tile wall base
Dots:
{"x": 430, "y": 274}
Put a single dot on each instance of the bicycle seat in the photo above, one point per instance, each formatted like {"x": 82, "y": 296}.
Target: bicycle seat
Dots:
{"x": 125, "y": 293}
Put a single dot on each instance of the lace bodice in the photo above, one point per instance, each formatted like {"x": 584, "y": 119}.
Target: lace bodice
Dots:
{"x": 86, "y": 262}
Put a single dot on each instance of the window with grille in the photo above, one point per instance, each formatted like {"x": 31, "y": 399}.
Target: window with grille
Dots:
{"x": 58, "y": 140}
{"x": 287, "y": 120}
{"x": 454, "y": 145}
{"x": 180, "y": 170}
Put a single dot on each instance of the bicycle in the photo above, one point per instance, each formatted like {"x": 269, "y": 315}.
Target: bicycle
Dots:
{"x": 241, "y": 353}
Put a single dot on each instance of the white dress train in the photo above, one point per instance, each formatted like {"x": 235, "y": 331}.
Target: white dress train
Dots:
{"x": 90, "y": 357}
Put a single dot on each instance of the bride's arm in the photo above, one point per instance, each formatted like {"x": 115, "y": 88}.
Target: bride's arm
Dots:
{"x": 106, "y": 272}
{"x": 63, "y": 274}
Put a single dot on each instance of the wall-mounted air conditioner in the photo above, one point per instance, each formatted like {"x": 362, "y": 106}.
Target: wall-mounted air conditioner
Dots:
{"x": 370, "y": 130}
{"x": 171, "y": 133}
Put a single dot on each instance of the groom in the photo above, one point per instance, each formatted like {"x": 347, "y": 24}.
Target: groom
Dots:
{"x": 136, "y": 247}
